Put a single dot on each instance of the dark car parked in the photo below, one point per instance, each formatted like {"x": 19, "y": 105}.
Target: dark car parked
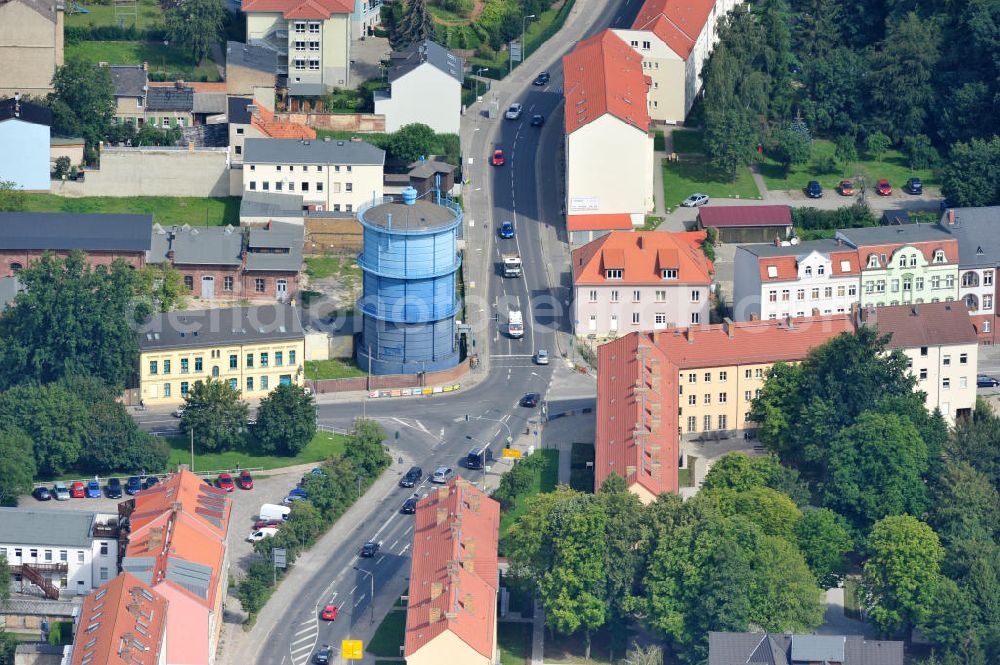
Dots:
{"x": 914, "y": 186}
{"x": 530, "y": 400}
{"x": 542, "y": 79}
{"x": 133, "y": 485}
{"x": 412, "y": 477}
{"x": 814, "y": 190}
{"x": 150, "y": 481}
{"x": 984, "y": 381}
{"x": 114, "y": 488}
{"x": 42, "y": 493}
{"x": 409, "y": 506}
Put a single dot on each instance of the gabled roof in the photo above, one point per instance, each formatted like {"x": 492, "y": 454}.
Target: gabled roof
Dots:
{"x": 405, "y": 61}
{"x": 737, "y": 216}
{"x": 209, "y": 103}
{"x": 275, "y": 247}
{"x": 924, "y": 324}
{"x": 677, "y": 22}
{"x": 12, "y": 109}
{"x": 270, "y": 204}
{"x": 120, "y": 623}
{"x": 978, "y": 233}
{"x": 887, "y": 240}
{"x": 453, "y": 575}
{"x": 46, "y": 8}
{"x": 63, "y": 231}
{"x": 785, "y": 649}
{"x": 303, "y": 9}
{"x": 781, "y": 262}
{"x": 68, "y": 528}
{"x": 604, "y": 75}
{"x": 196, "y": 245}
{"x": 169, "y": 99}
{"x": 129, "y": 80}
{"x": 216, "y": 327}
{"x": 602, "y": 222}
{"x": 293, "y": 151}
{"x": 251, "y": 56}
{"x": 642, "y": 256}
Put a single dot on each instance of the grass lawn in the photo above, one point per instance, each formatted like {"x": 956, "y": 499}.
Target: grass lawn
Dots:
{"x": 581, "y": 478}
{"x": 335, "y": 368}
{"x": 688, "y": 141}
{"x": 446, "y": 16}
{"x": 693, "y": 173}
{"x": 388, "y": 636}
{"x": 538, "y": 31}
{"x": 892, "y": 167}
{"x": 150, "y": 15}
{"x": 61, "y": 633}
{"x": 514, "y": 641}
{"x": 323, "y": 445}
{"x": 170, "y": 61}
{"x": 166, "y": 210}
{"x": 683, "y": 477}
{"x": 851, "y": 608}
{"x": 544, "y": 480}
{"x": 320, "y": 267}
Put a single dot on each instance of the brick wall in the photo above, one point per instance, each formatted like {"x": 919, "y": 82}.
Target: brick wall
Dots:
{"x": 341, "y": 122}
{"x": 389, "y": 381}
{"x": 9, "y": 257}
{"x": 244, "y": 283}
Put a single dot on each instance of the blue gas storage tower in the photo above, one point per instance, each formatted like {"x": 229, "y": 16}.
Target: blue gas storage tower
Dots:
{"x": 409, "y": 303}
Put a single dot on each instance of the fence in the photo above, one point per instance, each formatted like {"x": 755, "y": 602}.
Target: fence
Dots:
{"x": 442, "y": 379}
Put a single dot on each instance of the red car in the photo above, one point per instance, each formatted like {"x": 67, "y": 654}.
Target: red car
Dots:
{"x": 883, "y": 188}
{"x": 498, "y": 159}
{"x": 245, "y": 481}
{"x": 225, "y": 482}
{"x": 78, "y": 490}
{"x": 268, "y": 524}
{"x": 329, "y": 613}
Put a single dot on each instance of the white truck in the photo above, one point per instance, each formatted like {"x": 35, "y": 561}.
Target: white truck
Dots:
{"x": 515, "y": 323}
{"x": 271, "y": 511}
{"x": 511, "y": 265}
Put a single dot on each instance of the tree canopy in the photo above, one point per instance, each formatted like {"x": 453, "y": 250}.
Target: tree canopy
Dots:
{"x": 195, "y": 24}
{"x": 82, "y": 101}
{"x": 216, "y": 414}
{"x": 286, "y": 420}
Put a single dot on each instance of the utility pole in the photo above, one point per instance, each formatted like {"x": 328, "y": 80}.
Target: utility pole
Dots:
{"x": 192, "y": 450}
{"x": 524, "y": 23}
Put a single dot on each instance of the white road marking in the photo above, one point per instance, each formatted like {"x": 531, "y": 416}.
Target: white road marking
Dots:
{"x": 379, "y": 560}
{"x": 405, "y": 547}
{"x": 353, "y": 589}
{"x": 393, "y": 543}
{"x": 360, "y": 600}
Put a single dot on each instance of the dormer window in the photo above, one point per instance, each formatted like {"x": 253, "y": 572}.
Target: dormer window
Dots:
{"x": 669, "y": 273}
{"x": 809, "y": 271}
{"x": 938, "y": 256}
{"x": 873, "y": 261}
{"x": 614, "y": 273}
{"x": 902, "y": 261}
{"x": 820, "y": 270}
{"x": 913, "y": 260}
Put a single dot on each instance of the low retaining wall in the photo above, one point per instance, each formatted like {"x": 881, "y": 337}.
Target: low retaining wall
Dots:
{"x": 341, "y": 122}
{"x": 174, "y": 171}
{"x": 394, "y": 385}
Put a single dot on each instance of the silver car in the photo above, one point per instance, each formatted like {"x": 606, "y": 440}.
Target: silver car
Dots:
{"x": 442, "y": 475}
{"x": 695, "y": 200}
{"x": 60, "y": 492}
{"x": 542, "y": 357}
{"x": 514, "y": 112}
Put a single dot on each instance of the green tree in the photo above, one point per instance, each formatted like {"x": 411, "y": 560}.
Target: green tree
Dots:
{"x": 12, "y": 199}
{"x": 286, "y": 420}
{"x": 976, "y": 440}
{"x": 82, "y": 101}
{"x": 825, "y": 540}
{"x": 772, "y": 511}
{"x": 950, "y": 619}
{"x": 415, "y": 25}
{"x": 216, "y": 414}
{"x": 196, "y": 25}
{"x": 517, "y": 480}
{"x": 965, "y": 504}
{"x": 901, "y": 573}
{"x": 8, "y": 645}
{"x": 919, "y": 152}
{"x": 366, "y": 451}
{"x": 164, "y": 285}
{"x": 875, "y": 468}
{"x": 5, "y": 578}
{"x": 846, "y": 148}
{"x": 784, "y": 595}
{"x": 625, "y": 527}
{"x": 730, "y": 139}
{"x": 741, "y": 472}
{"x": 971, "y": 176}
{"x": 17, "y": 472}
{"x": 71, "y": 320}
{"x": 61, "y": 169}
{"x": 53, "y": 416}
{"x": 112, "y": 441}
{"x": 834, "y": 101}
{"x": 792, "y": 144}
{"x": 411, "y": 142}
{"x": 877, "y": 143}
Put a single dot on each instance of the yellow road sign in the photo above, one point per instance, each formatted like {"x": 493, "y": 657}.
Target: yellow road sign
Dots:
{"x": 510, "y": 452}
{"x": 352, "y": 649}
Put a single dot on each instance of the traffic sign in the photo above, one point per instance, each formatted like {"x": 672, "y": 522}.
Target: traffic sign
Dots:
{"x": 279, "y": 556}
{"x": 510, "y": 452}
{"x": 352, "y": 649}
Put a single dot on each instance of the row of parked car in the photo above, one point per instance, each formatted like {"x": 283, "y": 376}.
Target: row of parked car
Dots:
{"x": 92, "y": 489}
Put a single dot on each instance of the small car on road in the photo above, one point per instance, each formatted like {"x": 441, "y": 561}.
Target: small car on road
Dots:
{"x": 245, "y": 481}
{"x": 225, "y": 482}
{"x": 914, "y": 186}
{"x": 541, "y": 79}
{"x": 60, "y": 492}
{"x": 442, "y": 475}
{"x": 94, "y": 489}
{"x": 883, "y": 188}
{"x": 529, "y": 400}
{"x": 514, "y": 112}
{"x": 986, "y": 381}
{"x": 412, "y": 477}
{"x": 506, "y": 230}
{"x": 846, "y": 188}
{"x": 409, "y": 506}
{"x": 370, "y": 549}
{"x": 324, "y": 655}
{"x": 695, "y": 200}
{"x": 537, "y": 120}
{"x": 497, "y": 159}
{"x": 329, "y": 613}
{"x": 114, "y": 488}
{"x": 541, "y": 357}
{"x": 77, "y": 490}
{"x": 814, "y": 190}
{"x": 42, "y": 494}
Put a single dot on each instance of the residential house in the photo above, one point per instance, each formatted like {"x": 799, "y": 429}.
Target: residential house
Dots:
{"x": 903, "y": 265}
{"x": 60, "y": 551}
{"x": 635, "y": 280}
{"x": 975, "y": 229}
{"x": 232, "y": 263}
{"x": 426, "y": 87}
{"x": 331, "y": 175}
{"x": 366, "y": 15}
{"x": 451, "y": 616}
{"x": 248, "y": 119}
{"x": 122, "y": 623}
{"x": 742, "y": 224}
{"x": 255, "y": 349}
{"x": 312, "y": 39}
{"x": 658, "y": 390}
{"x": 209, "y": 107}
{"x": 609, "y": 150}
{"x": 25, "y": 130}
{"x": 248, "y": 67}
{"x": 72, "y": 147}
{"x": 31, "y": 46}
{"x": 104, "y": 238}
{"x": 942, "y": 347}
{"x": 790, "y": 649}
{"x": 428, "y": 175}
{"x": 674, "y": 39}
{"x": 131, "y": 84}
{"x": 786, "y": 280}
{"x": 175, "y": 542}
{"x": 168, "y": 107}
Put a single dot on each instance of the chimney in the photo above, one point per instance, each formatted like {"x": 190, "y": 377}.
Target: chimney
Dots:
{"x": 638, "y": 240}
{"x": 467, "y": 603}
{"x": 788, "y": 322}
{"x": 727, "y": 325}
{"x": 436, "y": 588}
{"x": 656, "y": 337}
{"x": 434, "y": 615}
{"x": 840, "y": 241}
{"x": 690, "y": 335}
{"x": 951, "y": 217}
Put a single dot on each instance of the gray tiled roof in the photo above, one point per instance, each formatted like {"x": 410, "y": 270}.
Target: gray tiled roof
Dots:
{"x": 65, "y": 528}
{"x": 68, "y": 231}
{"x": 25, "y": 111}
{"x": 273, "y": 204}
{"x": 209, "y": 102}
{"x": 288, "y": 237}
{"x": 169, "y": 99}
{"x": 209, "y": 327}
{"x": 886, "y": 235}
{"x": 252, "y": 57}
{"x": 197, "y": 245}
{"x": 129, "y": 80}
{"x": 306, "y": 89}
{"x": 295, "y": 151}
{"x": 425, "y": 168}
{"x": 194, "y": 577}
{"x": 405, "y": 61}
{"x": 779, "y": 649}
{"x": 823, "y": 246}
{"x": 978, "y": 233}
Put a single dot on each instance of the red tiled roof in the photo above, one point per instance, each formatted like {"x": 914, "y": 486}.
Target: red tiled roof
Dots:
{"x": 264, "y": 120}
{"x": 604, "y": 75}
{"x": 643, "y": 255}
{"x": 733, "y": 216}
{"x": 925, "y": 324}
{"x": 637, "y": 393}
{"x": 787, "y": 268}
{"x": 120, "y": 623}
{"x": 303, "y": 9}
{"x": 926, "y": 247}
{"x": 453, "y": 578}
{"x": 619, "y": 220}
{"x": 677, "y": 22}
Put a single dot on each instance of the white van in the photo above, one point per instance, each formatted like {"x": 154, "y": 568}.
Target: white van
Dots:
{"x": 261, "y": 534}
{"x": 515, "y": 323}
{"x": 272, "y": 511}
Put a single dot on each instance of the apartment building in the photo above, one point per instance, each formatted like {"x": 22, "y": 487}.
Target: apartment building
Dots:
{"x": 338, "y": 176}
{"x": 975, "y": 229}
{"x": 804, "y": 279}
{"x": 941, "y": 344}
{"x": 31, "y": 46}
{"x": 254, "y": 349}
{"x": 59, "y": 552}
{"x": 609, "y": 150}
{"x": 312, "y": 40}
{"x": 633, "y": 280}
{"x": 656, "y": 391}
{"x": 451, "y": 616}
{"x": 903, "y": 265}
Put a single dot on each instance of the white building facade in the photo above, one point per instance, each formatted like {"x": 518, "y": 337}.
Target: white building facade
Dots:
{"x": 426, "y": 87}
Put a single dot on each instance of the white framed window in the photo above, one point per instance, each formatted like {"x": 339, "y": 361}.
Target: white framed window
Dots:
{"x": 635, "y": 318}
{"x": 963, "y": 382}
{"x": 300, "y": 26}
{"x": 313, "y": 46}
{"x": 946, "y": 359}
{"x": 747, "y": 395}
{"x": 828, "y": 292}
{"x": 723, "y": 376}
{"x": 772, "y": 271}
{"x": 314, "y": 64}
{"x": 772, "y": 296}
{"x": 722, "y": 398}
{"x": 786, "y": 295}
{"x": 692, "y": 424}
{"x": 314, "y": 27}
{"x": 820, "y": 270}
{"x": 913, "y": 261}
{"x": 873, "y": 261}
{"x": 695, "y": 317}
{"x": 840, "y": 291}
{"x": 300, "y": 64}
{"x": 852, "y": 290}
{"x": 614, "y": 295}
{"x": 845, "y": 266}
{"x": 300, "y": 46}
{"x": 945, "y": 383}
{"x": 987, "y": 278}
{"x": 593, "y": 295}
{"x": 809, "y": 271}
{"x": 669, "y": 273}
{"x": 707, "y": 423}
{"x": 800, "y": 294}
{"x": 722, "y": 421}
{"x": 636, "y": 295}
{"x": 987, "y": 302}
{"x": 963, "y": 359}
{"x": 692, "y": 400}
{"x": 660, "y": 320}
{"x": 614, "y": 322}
{"x": 613, "y": 273}
{"x": 661, "y": 295}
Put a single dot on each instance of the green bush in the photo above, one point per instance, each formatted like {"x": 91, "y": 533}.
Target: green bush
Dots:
{"x": 855, "y": 216}
{"x": 708, "y": 244}
{"x": 115, "y": 33}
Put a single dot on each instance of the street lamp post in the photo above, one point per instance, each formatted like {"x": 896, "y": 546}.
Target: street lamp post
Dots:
{"x": 371, "y": 601}
{"x": 524, "y": 23}
{"x": 481, "y": 70}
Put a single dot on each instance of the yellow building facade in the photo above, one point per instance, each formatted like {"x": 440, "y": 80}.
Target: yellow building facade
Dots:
{"x": 718, "y": 399}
